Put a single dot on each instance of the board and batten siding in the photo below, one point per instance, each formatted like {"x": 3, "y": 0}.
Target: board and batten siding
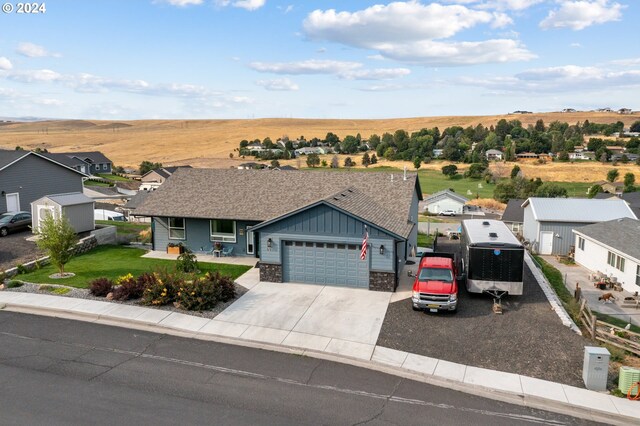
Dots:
{"x": 563, "y": 237}
{"x": 530, "y": 226}
{"x": 325, "y": 224}
{"x": 80, "y": 216}
{"x": 34, "y": 177}
{"x": 594, "y": 257}
{"x": 198, "y": 235}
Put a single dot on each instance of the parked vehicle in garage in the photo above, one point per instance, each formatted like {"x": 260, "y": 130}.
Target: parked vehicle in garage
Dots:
{"x": 436, "y": 285}
{"x": 15, "y": 221}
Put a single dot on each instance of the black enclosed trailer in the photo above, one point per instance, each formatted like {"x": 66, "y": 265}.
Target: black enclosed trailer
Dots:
{"x": 492, "y": 258}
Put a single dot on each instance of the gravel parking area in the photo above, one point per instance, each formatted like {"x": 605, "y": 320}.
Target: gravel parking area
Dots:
{"x": 528, "y": 338}
{"x": 15, "y": 249}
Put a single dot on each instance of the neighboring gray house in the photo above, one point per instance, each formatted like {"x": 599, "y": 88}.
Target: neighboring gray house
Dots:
{"x": 76, "y": 207}
{"x": 26, "y": 176}
{"x": 513, "y": 215}
{"x": 549, "y": 222}
{"x": 493, "y": 154}
{"x": 303, "y": 226}
{"x": 92, "y": 162}
{"x": 129, "y": 209}
{"x": 445, "y": 200}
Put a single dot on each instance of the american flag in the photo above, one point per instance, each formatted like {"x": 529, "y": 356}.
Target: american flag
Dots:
{"x": 363, "y": 252}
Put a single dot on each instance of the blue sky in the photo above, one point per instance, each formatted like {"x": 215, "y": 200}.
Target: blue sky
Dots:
{"x": 141, "y": 59}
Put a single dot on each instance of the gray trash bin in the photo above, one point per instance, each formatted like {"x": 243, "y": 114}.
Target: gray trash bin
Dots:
{"x": 596, "y": 368}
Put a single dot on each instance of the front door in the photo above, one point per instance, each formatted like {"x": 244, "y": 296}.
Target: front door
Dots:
{"x": 546, "y": 242}
{"x": 13, "y": 202}
{"x": 251, "y": 242}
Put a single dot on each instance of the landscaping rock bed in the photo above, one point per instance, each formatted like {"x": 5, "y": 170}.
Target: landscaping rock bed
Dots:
{"x": 527, "y": 339}
{"x": 81, "y": 293}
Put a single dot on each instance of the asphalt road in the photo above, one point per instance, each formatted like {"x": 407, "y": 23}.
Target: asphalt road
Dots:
{"x": 56, "y": 371}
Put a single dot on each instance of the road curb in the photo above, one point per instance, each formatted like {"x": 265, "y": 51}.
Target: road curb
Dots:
{"x": 474, "y": 389}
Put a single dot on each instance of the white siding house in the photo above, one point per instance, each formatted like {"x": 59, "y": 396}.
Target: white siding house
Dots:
{"x": 548, "y": 222}
{"x": 611, "y": 248}
{"x": 445, "y": 200}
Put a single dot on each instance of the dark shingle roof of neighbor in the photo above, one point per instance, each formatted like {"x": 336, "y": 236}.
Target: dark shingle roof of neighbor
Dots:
{"x": 136, "y": 200}
{"x": 620, "y": 234}
{"x": 64, "y": 159}
{"x": 95, "y": 156}
{"x": 7, "y": 157}
{"x": 256, "y": 195}
{"x": 633, "y": 198}
{"x": 514, "y": 211}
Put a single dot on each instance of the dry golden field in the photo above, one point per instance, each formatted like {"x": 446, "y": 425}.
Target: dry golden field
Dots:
{"x": 208, "y": 143}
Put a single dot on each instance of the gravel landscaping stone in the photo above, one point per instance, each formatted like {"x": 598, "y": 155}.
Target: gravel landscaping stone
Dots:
{"x": 81, "y": 293}
{"x": 528, "y": 338}
{"x": 15, "y": 250}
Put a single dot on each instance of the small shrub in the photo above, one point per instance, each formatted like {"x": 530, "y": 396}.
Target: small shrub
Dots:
{"x": 21, "y": 268}
{"x": 198, "y": 295}
{"x": 129, "y": 288}
{"x": 187, "y": 262}
{"x": 163, "y": 289}
{"x": 617, "y": 354}
{"x": 14, "y": 284}
{"x": 100, "y": 287}
{"x": 224, "y": 285}
{"x": 36, "y": 264}
{"x": 53, "y": 289}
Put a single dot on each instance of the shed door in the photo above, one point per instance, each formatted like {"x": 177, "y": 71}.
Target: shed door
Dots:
{"x": 13, "y": 202}
{"x": 324, "y": 263}
{"x": 546, "y": 242}
{"x": 43, "y": 212}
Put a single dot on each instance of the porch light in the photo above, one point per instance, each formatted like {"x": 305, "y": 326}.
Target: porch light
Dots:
{"x": 269, "y": 243}
{"x": 381, "y": 248}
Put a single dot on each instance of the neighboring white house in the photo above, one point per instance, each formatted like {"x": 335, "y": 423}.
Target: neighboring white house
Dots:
{"x": 581, "y": 155}
{"x": 493, "y": 154}
{"x": 437, "y": 153}
{"x": 611, "y": 248}
{"x": 549, "y": 222}
{"x": 75, "y": 206}
{"x": 445, "y": 200}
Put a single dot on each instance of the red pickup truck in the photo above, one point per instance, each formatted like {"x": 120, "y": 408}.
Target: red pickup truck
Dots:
{"x": 436, "y": 285}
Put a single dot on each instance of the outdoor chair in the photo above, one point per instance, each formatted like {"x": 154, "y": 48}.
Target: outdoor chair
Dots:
{"x": 227, "y": 251}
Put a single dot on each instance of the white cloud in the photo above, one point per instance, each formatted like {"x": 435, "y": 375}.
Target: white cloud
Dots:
{"x": 31, "y": 76}
{"x": 34, "y": 51}
{"x": 376, "y": 57}
{"x": 311, "y": 66}
{"x": 183, "y": 3}
{"x": 626, "y": 62}
{"x": 414, "y": 33}
{"x": 341, "y": 69}
{"x": 575, "y": 45}
{"x": 566, "y": 78}
{"x": 279, "y": 84}
{"x": 285, "y": 9}
{"x": 515, "y": 5}
{"x": 5, "y": 64}
{"x": 249, "y": 5}
{"x": 49, "y": 102}
{"x": 578, "y": 15}
{"x": 321, "y": 50}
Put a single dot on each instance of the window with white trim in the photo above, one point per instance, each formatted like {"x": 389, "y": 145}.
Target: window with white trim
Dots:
{"x": 176, "y": 228}
{"x": 104, "y": 167}
{"x": 638, "y": 275}
{"x": 581, "y": 243}
{"x": 223, "y": 230}
{"x": 615, "y": 261}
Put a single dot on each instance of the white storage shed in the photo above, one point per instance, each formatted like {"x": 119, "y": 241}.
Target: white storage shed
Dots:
{"x": 75, "y": 206}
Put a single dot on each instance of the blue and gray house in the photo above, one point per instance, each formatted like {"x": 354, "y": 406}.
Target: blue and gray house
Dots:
{"x": 303, "y": 226}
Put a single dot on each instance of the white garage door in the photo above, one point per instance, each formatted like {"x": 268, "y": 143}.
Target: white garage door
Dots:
{"x": 324, "y": 263}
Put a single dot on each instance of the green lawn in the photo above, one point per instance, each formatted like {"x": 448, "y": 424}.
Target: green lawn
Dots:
{"x": 113, "y": 177}
{"x": 432, "y": 181}
{"x": 113, "y": 262}
{"x": 126, "y": 229}
{"x": 575, "y": 189}
{"x": 96, "y": 183}
{"x": 425, "y": 240}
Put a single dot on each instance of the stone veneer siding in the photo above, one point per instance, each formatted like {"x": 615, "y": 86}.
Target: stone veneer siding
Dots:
{"x": 382, "y": 281}
{"x": 270, "y": 272}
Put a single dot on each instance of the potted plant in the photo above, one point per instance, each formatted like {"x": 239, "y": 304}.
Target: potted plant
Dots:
{"x": 217, "y": 246}
{"x": 175, "y": 248}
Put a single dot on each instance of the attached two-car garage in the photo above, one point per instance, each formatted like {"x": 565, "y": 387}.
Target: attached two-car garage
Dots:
{"x": 324, "y": 263}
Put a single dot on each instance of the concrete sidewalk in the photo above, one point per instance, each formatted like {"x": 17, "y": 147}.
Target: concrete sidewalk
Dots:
{"x": 207, "y": 258}
{"x": 507, "y": 387}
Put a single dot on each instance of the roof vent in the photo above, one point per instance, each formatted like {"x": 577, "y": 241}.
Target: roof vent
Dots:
{"x": 493, "y": 235}
{"x": 485, "y": 223}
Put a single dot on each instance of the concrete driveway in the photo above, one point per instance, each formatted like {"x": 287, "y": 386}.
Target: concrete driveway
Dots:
{"x": 331, "y": 319}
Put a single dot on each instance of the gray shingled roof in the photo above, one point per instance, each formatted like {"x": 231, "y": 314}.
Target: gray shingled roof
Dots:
{"x": 70, "y": 199}
{"x": 136, "y": 200}
{"x": 445, "y": 193}
{"x": 64, "y": 159}
{"x": 95, "y": 156}
{"x": 7, "y": 157}
{"x": 620, "y": 234}
{"x": 578, "y": 209}
{"x": 514, "y": 211}
{"x": 256, "y": 195}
